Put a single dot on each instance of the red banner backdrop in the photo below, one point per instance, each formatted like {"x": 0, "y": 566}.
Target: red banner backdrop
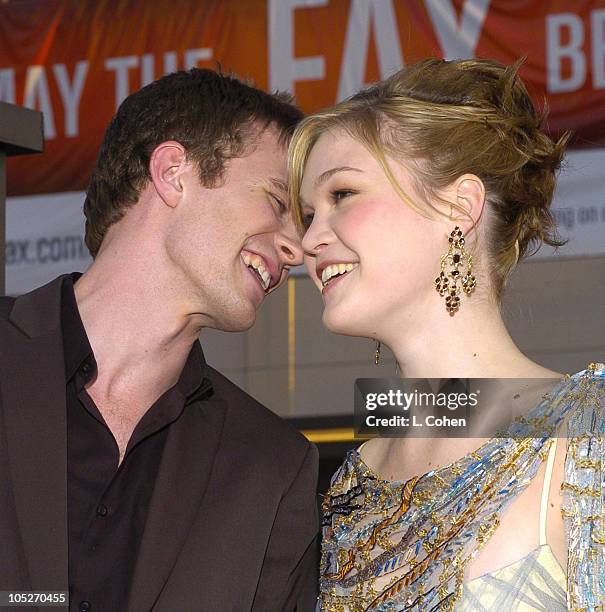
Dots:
{"x": 77, "y": 59}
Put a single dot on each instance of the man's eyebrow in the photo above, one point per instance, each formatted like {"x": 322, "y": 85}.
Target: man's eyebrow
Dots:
{"x": 279, "y": 184}
{"x": 324, "y": 176}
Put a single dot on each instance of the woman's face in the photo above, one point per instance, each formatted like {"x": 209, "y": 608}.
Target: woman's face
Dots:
{"x": 391, "y": 252}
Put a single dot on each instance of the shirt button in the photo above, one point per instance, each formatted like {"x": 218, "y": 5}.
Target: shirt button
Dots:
{"x": 101, "y": 511}
{"x": 84, "y": 606}
{"x": 86, "y": 367}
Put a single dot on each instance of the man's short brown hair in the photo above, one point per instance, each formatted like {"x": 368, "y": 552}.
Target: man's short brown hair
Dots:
{"x": 213, "y": 115}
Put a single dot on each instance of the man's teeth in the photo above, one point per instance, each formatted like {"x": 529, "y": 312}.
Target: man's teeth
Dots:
{"x": 256, "y": 263}
{"x": 334, "y": 269}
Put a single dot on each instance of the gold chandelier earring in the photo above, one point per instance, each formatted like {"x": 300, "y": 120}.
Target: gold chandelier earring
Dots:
{"x": 456, "y": 267}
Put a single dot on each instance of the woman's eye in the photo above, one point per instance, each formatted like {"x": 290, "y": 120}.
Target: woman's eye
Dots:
{"x": 307, "y": 220}
{"x": 340, "y": 194}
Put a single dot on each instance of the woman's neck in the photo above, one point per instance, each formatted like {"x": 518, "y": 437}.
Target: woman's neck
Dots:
{"x": 474, "y": 343}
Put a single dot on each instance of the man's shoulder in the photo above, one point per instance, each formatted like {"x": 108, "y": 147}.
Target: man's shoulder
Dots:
{"x": 6, "y": 305}
{"x": 254, "y": 420}
{"x": 39, "y": 303}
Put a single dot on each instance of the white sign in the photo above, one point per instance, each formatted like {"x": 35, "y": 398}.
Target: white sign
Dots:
{"x": 579, "y": 205}
{"x": 44, "y": 238}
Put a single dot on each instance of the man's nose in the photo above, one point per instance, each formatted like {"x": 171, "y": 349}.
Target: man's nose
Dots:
{"x": 289, "y": 248}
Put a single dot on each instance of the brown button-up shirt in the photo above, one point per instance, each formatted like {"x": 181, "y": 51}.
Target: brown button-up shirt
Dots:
{"x": 107, "y": 504}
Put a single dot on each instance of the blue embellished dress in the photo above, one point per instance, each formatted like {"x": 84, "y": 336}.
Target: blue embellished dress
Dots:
{"x": 395, "y": 546}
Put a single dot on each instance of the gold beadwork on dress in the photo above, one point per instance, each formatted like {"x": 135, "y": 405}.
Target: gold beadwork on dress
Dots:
{"x": 391, "y": 546}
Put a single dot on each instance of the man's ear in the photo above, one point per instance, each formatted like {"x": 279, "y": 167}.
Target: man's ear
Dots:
{"x": 167, "y": 164}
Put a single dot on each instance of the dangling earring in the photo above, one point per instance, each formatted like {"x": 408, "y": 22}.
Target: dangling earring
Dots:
{"x": 447, "y": 281}
{"x": 377, "y": 353}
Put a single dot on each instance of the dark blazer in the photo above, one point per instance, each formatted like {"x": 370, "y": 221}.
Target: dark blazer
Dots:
{"x": 233, "y": 516}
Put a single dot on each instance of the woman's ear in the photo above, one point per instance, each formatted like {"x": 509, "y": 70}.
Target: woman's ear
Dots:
{"x": 167, "y": 164}
{"x": 470, "y": 197}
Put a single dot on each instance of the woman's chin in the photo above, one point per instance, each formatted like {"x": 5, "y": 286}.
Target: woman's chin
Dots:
{"x": 342, "y": 324}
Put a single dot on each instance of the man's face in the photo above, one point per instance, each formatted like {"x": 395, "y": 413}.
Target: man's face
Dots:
{"x": 234, "y": 244}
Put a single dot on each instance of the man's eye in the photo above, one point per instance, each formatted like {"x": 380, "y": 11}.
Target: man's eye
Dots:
{"x": 280, "y": 204}
{"x": 340, "y": 194}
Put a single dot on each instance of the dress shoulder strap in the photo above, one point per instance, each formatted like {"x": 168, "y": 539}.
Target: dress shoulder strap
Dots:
{"x": 546, "y": 489}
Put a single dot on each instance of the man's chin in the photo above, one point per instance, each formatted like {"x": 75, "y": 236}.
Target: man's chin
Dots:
{"x": 241, "y": 326}
{"x": 240, "y": 321}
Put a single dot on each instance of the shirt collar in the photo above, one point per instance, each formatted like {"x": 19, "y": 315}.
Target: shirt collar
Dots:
{"x": 76, "y": 347}
{"x": 193, "y": 382}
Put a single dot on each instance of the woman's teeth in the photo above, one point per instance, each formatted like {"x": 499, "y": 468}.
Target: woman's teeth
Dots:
{"x": 256, "y": 263}
{"x": 334, "y": 270}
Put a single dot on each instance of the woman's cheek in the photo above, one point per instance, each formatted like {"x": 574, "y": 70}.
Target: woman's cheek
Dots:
{"x": 310, "y": 265}
{"x": 369, "y": 222}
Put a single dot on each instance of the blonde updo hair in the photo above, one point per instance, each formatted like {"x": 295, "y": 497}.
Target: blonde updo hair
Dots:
{"x": 452, "y": 118}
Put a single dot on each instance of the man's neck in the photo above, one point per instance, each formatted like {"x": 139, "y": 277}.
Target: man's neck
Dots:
{"x": 139, "y": 335}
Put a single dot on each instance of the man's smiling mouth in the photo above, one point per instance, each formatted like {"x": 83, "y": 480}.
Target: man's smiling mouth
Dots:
{"x": 256, "y": 264}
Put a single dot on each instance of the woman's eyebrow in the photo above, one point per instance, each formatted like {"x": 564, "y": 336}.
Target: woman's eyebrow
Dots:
{"x": 324, "y": 176}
